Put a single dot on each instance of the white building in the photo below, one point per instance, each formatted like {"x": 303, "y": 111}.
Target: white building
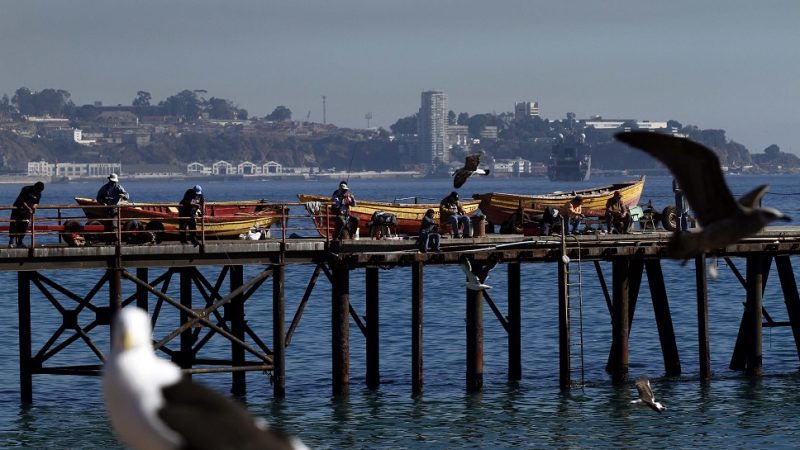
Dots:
{"x": 512, "y": 167}
{"x": 72, "y": 170}
{"x": 600, "y": 124}
{"x": 248, "y": 168}
{"x": 432, "y": 128}
{"x": 272, "y": 168}
{"x": 526, "y": 109}
{"x": 223, "y": 168}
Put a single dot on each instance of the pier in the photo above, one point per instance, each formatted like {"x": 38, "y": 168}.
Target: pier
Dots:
{"x": 164, "y": 279}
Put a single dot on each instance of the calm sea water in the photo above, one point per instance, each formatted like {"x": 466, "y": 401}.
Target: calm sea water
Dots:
{"x": 731, "y": 411}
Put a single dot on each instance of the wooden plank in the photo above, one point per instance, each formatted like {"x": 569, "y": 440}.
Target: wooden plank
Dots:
{"x": 373, "y": 327}
{"x": 416, "y": 328}
{"x": 704, "y": 345}
{"x": 514, "y": 322}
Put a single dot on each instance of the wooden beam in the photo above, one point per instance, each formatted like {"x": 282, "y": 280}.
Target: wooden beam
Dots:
{"x": 340, "y": 336}
{"x": 790, "y": 295}
{"x": 514, "y": 322}
{"x": 278, "y": 331}
{"x": 619, "y": 320}
{"x": 666, "y": 332}
{"x": 416, "y": 328}
{"x": 701, "y": 284}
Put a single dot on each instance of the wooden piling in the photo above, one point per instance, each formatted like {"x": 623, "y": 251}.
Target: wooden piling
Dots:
{"x": 754, "y": 305}
{"x": 373, "y": 327}
{"x": 235, "y": 313}
{"x": 278, "y": 331}
{"x": 563, "y": 326}
{"x": 416, "y": 327}
{"x": 790, "y": 295}
{"x": 25, "y": 359}
{"x": 514, "y": 322}
{"x": 620, "y": 289}
{"x": 340, "y": 336}
{"x": 142, "y": 294}
{"x": 702, "y": 317}
{"x": 474, "y": 340}
{"x": 666, "y": 332}
{"x": 185, "y": 355}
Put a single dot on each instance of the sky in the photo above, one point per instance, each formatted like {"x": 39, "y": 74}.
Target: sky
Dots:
{"x": 732, "y": 65}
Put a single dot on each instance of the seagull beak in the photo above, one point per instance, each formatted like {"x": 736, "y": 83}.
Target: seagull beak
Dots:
{"x": 127, "y": 341}
{"x": 785, "y": 218}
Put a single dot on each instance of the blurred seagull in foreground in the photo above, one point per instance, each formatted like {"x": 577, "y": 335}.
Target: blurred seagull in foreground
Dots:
{"x": 646, "y": 396}
{"x": 470, "y": 168}
{"x": 724, "y": 220}
{"x": 152, "y": 406}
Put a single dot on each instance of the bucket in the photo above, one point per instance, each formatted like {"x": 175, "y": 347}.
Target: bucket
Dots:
{"x": 478, "y": 226}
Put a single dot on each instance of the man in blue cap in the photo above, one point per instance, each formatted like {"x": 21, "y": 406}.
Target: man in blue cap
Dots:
{"x": 191, "y": 206}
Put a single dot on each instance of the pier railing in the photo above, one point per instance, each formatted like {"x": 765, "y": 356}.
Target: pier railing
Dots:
{"x": 152, "y": 223}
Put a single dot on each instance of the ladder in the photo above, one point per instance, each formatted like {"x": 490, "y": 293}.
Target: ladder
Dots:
{"x": 575, "y": 316}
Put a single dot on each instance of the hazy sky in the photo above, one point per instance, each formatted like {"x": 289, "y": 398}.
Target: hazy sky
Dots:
{"x": 727, "y": 64}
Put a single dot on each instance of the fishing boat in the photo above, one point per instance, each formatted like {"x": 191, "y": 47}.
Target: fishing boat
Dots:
{"x": 499, "y": 207}
{"x": 407, "y": 215}
{"x": 221, "y": 220}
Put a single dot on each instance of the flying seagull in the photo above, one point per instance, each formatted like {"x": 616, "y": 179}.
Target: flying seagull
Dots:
{"x": 470, "y": 168}
{"x": 724, "y": 220}
{"x": 646, "y": 396}
{"x": 152, "y": 406}
{"x": 473, "y": 282}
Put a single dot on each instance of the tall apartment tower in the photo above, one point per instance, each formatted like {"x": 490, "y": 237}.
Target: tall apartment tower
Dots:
{"x": 526, "y": 109}
{"x": 432, "y": 128}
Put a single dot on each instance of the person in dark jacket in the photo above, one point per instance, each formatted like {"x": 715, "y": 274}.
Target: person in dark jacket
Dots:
{"x": 24, "y": 207}
{"x": 111, "y": 194}
{"x": 429, "y": 237}
{"x": 453, "y": 213}
{"x": 191, "y": 206}
{"x": 342, "y": 199}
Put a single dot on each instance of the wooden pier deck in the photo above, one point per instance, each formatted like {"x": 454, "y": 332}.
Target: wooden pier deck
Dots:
{"x": 222, "y": 309}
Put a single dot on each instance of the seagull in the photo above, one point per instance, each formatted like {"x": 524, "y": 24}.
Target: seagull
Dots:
{"x": 152, "y": 406}
{"x": 724, "y": 220}
{"x": 473, "y": 282}
{"x": 646, "y": 396}
{"x": 470, "y": 168}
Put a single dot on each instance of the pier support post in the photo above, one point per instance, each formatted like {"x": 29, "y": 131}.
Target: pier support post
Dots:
{"x": 235, "y": 312}
{"x": 416, "y": 327}
{"x": 25, "y": 359}
{"x": 373, "y": 327}
{"x": 115, "y": 286}
{"x": 278, "y": 332}
{"x": 620, "y": 321}
{"x": 666, "y": 332}
{"x": 185, "y": 356}
{"x": 702, "y": 317}
{"x": 340, "y": 336}
{"x": 142, "y": 294}
{"x": 474, "y": 340}
{"x": 563, "y": 326}
{"x": 790, "y": 295}
{"x": 754, "y": 304}
{"x": 514, "y": 322}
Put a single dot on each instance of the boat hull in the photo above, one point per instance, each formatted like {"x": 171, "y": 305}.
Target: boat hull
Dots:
{"x": 222, "y": 220}
{"x": 499, "y": 207}
{"x": 408, "y": 215}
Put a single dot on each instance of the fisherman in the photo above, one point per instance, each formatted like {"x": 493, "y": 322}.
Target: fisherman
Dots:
{"x": 617, "y": 214}
{"x": 572, "y": 211}
{"x": 451, "y": 211}
{"x": 191, "y": 206}
{"x": 342, "y": 200}
{"x": 24, "y": 207}
{"x": 681, "y": 207}
{"x": 110, "y": 194}
{"x": 429, "y": 233}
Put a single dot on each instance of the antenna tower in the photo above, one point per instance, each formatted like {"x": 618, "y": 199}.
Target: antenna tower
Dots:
{"x": 324, "y": 119}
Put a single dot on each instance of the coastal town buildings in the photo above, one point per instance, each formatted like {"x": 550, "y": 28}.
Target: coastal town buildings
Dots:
{"x": 526, "y": 109}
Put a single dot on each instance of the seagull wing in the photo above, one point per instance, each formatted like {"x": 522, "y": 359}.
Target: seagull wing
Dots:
{"x": 460, "y": 177}
{"x": 472, "y": 161}
{"x": 696, "y": 168}
{"x": 645, "y": 392}
{"x": 190, "y": 410}
{"x": 466, "y": 267}
{"x": 753, "y": 198}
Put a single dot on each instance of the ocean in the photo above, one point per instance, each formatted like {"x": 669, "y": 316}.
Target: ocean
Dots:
{"x": 731, "y": 410}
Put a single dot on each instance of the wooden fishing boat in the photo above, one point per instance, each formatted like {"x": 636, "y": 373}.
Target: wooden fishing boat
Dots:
{"x": 499, "y": 207}
{"x": 408, "y": 215}
{"x": 221, "y": 220}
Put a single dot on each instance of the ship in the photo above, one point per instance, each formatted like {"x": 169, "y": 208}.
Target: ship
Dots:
{"x": 570, "y": 159}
